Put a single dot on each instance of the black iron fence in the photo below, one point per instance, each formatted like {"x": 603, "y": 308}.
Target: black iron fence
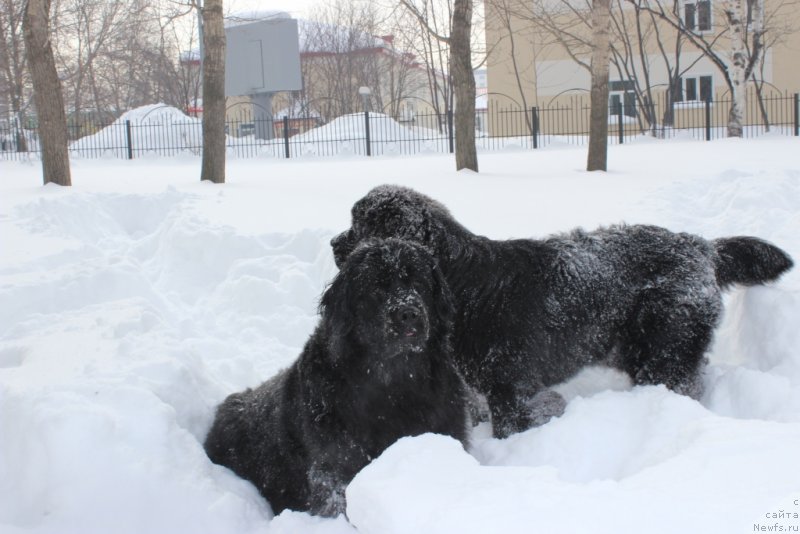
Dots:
{"x": 166, "y": 132}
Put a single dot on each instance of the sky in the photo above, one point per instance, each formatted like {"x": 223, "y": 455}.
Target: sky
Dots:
{"x": 296, "y": 8}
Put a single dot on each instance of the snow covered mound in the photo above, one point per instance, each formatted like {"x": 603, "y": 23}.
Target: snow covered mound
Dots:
{"x": 155, "y": 128}
{"x": 162, "y": 130}
{"x": 346, "y": 135}
{"x": 135, "y": 301}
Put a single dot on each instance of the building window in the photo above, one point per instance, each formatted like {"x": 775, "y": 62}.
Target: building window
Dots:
{"x": 695, "y": 89}
{"x": 697, "y": 15}
{"x": 622, "y": 94}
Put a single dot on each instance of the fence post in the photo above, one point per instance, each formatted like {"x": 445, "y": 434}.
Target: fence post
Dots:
{"x": 708, "y": 119}
{"x": 286, "y": 136}
{"x": 128, "y": 137}
{"x": 535, "y": 126}
{"x": 621, "y": 129}
{"x": 450, "y": 129}
{"x": 797, "y": 114}
{"x": 653, "y": 121}
{"x": 366, "y": 129}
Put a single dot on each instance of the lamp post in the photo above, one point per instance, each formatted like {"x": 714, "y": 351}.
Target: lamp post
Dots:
{"x": 365, "y": 92}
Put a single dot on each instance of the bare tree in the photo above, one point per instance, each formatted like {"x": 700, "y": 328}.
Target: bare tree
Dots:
{"x": 425, "y": 24}
{"x": 598, "y": 125}
{"x": 462, "y": 77}
{"x": 13, "y": 69}
{"x": 777, "y": 27}
{"x": 505, "y": 16}
{"x": 650, "y": 35}
{"x": 341, "y": 52}
{"x": 213, "y": 93}
{"x": 117, "y": 55}
{"x": 568, "y": 25}
{"x": 87, "y": 26}
{"x": 181, "y": 57}
{"x": 349, "y": 45}
{"x": 464, "y": 84}
{"x": 47, "y": 94}
{"x": 745, "y": 56}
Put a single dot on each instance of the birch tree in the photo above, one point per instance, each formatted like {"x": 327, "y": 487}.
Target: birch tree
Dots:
{"x": 736, "y": 64}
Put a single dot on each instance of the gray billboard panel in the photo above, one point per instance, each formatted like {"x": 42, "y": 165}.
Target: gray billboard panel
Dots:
{"x": 262, "y": 57}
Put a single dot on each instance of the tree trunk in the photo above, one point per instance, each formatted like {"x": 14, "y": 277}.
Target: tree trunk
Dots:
{"x": 464, "y": 85}
{"x": 757, "y": 16}
{"x": 733, "y": 12}
{"x": 47, "y": 94}
{"x": 213, "y": 93}
{"x": 601, "y": 50}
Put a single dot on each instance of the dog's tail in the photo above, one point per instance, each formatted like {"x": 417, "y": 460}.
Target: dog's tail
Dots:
{"x": 748, "y": 261}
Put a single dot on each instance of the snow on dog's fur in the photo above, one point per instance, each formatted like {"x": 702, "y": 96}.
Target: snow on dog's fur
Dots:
{"x": 378, "y": 367}
{"x": 532, "y": 313}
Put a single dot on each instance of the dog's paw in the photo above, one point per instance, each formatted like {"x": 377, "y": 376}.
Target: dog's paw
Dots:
{"x": 544, "y": 406}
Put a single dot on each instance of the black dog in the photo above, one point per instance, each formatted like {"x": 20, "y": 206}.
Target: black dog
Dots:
{"x": 530, "y": 314}
{"x": 378, "y": 367}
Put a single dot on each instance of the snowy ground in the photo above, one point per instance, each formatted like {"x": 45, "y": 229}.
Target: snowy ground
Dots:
{"x": 135, "y": 301}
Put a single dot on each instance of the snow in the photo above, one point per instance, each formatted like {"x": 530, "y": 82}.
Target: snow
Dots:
{"x": 161, "y": 130}
{"x": 135, "y": 301}
{"x": 156, "y": 125}
{"x": 346, "y": 135}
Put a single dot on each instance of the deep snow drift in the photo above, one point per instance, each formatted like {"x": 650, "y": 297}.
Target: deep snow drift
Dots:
{"x": 135, "y": 301}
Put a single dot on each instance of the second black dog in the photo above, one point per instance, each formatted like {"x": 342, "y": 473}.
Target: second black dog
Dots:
{"x": 378, "y": 367}
{"x": 532, "y": 313}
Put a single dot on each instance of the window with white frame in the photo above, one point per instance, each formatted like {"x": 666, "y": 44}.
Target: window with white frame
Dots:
{"x": 621, "y": 93}
{"x": 695, "y": 89}
{"x": 697, "y": 15}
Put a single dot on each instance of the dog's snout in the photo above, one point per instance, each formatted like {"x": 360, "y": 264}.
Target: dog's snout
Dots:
{"x": 337, "y": 239}
{"x": 340, "y": 247}
{"x": 409, "y": 321}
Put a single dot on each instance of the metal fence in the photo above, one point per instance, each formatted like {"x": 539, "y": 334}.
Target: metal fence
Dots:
{"x": 565, "y": 121}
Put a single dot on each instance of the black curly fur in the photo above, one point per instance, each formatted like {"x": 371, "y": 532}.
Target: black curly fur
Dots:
{"x": 378, "y": 367}
{"x": 532, "y": 313}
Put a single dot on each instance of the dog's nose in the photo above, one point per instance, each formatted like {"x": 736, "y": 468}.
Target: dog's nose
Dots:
{"x": 408, "y": 314}
{"x": 409, "y": 321}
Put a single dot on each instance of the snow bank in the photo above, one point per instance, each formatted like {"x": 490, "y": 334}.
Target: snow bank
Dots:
{"x": 136, "y": 300}
{"x": 687, "y": 473}
{"x": 161, "y": 130}
{"x": 347, "y": 135}
{"x": 157, "y": 128}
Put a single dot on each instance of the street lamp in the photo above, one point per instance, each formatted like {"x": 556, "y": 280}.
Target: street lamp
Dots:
{"x": 364, "y": 91}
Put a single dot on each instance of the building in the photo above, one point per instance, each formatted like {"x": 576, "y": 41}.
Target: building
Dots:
{"x": 539, "y": 54}
{"x": 338, "y": 63}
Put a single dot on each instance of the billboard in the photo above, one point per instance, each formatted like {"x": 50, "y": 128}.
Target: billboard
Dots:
{"x": 262, "y": 57}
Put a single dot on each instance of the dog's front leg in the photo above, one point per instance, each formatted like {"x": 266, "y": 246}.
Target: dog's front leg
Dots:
{"x": 518, "y": 407}
{"x": 326, "y": 490}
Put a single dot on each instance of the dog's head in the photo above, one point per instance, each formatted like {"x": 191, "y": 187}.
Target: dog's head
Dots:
{"x": 389, "y": 299}
{"x": 394, "y": 211}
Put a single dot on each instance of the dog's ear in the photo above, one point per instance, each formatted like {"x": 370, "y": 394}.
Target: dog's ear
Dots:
{"x": 336, "y": 310}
